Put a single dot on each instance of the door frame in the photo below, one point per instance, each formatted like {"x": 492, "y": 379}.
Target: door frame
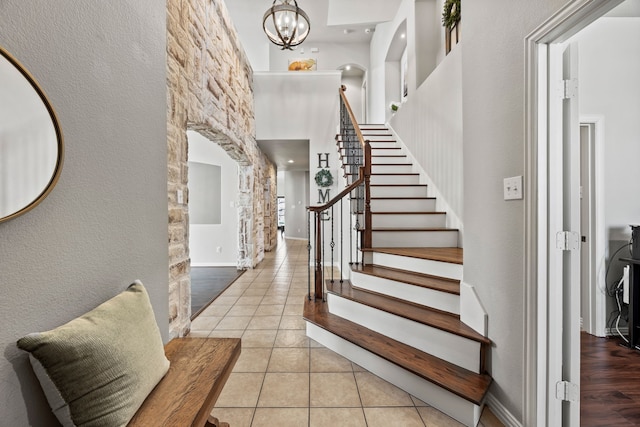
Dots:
{"x": 596, "y": 284}
{"x": 569, "y": 20}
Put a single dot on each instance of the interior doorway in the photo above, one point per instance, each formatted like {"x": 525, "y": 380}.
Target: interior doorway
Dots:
{"x": 213, "y": 221}
{"x": 553, "y": 256}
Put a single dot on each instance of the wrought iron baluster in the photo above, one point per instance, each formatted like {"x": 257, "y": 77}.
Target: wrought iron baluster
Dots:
{"x": 309, "y": 255}
{"x": 341, "y": 238}
{"x": 332, "y": 244}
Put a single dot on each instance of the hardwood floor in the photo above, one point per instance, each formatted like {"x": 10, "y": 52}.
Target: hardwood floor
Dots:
{"x": 610, "y": 383}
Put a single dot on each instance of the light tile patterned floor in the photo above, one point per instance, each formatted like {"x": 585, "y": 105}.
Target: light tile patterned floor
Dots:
{"x": 284, "y": 378}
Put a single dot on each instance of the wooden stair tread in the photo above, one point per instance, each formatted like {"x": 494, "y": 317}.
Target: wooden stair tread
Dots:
{"x": 403, "y": 198}
{"x": 388, "y": 155}
{"x": 464, "y": 383}
{"x": 422, "y": 280}
{"x": 427, "y": 316}
{"x": 398, "y": 185}
{"x": 413, "y": 229}
{"x": 391, "y": 164}
{"x": 406, "y": 213}
{"x": 450, "y": 255}
{"x": 391, "y": 173}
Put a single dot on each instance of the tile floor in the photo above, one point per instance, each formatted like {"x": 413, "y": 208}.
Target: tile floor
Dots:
{"x": 283, "y": 378}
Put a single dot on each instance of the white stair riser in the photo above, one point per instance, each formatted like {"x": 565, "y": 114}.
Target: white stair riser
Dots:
{"x": 409, "y": 220}
{"x": 395, "y": 179}
{"x": 385, "y": 151}
{"x": 399, "y": 191}
{"x": 414, "y": 239}
{"x": 389, "y": 159}
{"x": 391, "y": 169}
{"x": 386, "y": 160}
{"x": 456, "y": 407}
{"x": 458, "y": 350}
{"x": 377, "y": 136}
{"x": 426, "y": 266}
{"x": 403, "y": 205}
{"x": 383, "y": 143}
{"x": 443, "y": 301}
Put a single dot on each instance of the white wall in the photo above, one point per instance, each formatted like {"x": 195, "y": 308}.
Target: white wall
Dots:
{"x": 296, "y": 197}
{"x": 610, "y": 89}
{"x": 383, "y": 76}
{"x": 298, "y": 106}
{"x": 493, "y": 144}
{"x": 354, "y": 96}
{"x": 280, "y": 186}
{"x": 430, "y": 126}
{"x": 105, "y": 223}
{"x": 206, "y": 239}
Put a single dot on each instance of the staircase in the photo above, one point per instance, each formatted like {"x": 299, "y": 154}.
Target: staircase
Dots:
{"x": 399, "y": 314}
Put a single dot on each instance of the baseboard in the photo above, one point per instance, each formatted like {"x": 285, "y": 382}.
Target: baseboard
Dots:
{"x": 215, "y": 264}
{"x": 472, "y": 312}
{"x": 611, "y": 332}
{"x": 501, "y": 412}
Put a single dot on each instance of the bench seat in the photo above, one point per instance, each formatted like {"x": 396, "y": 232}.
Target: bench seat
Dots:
{"x": 188, "y": 392}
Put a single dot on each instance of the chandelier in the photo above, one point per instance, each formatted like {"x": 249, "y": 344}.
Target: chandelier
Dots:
{"x": 286, "y": 24}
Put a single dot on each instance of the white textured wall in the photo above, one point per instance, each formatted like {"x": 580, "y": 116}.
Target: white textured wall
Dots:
{"x": 105, "y": 223}
{"x": 310, "y": 101}
{"x": 610, "y": 89}
{"x": 429, "y": 123}
{"x": 354, "y": 95}
{"x": 493, "y": 143}
{"x": 296, "y": 197}
{"x": 205, "y": 239}
{"x": 382, "y": 77}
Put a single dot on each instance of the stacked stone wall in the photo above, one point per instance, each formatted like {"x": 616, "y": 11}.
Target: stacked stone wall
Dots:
{"x": 209, "y": 90}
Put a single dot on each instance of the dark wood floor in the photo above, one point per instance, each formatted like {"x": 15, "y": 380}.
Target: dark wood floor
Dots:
{"x": 609, "y": 383}
{"x": 209, "y": 282}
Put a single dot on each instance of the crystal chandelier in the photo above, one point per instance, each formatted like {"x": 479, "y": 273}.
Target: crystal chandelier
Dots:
{"x": 286, "y": 24}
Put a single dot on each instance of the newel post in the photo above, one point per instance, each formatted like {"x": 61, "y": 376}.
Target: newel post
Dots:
{"x": 318, "y": 273}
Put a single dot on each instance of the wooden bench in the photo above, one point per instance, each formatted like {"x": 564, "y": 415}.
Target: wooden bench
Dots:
{"x": 188, "y": 392}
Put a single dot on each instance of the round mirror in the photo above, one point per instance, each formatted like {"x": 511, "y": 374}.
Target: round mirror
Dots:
{"x": 31, "y": 146}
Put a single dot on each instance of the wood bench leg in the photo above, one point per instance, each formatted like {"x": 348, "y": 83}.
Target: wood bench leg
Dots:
{"x": 214, "y": 422}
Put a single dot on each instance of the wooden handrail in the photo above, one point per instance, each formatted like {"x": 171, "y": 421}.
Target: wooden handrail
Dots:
{"x": 342, "y": 90}
{"x": 340, "y": 195}
{"x": 364, "y": 177}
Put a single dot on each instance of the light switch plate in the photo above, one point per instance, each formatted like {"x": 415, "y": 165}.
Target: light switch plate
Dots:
{"x": 180, "y": 197}
{"x": 513, "y": 188}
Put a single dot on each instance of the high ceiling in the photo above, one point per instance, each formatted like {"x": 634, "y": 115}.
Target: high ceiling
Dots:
{"x": 332, "y": 21}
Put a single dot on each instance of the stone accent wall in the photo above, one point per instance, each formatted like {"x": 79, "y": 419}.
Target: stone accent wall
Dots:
{"x": 210, "y": 90}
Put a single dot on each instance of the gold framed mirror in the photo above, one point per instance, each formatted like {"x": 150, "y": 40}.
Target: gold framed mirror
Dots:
{"x": 31, "y": 143}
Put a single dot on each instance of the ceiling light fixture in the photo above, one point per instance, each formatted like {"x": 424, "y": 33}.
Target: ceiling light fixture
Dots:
{"x": 290, "y": 161}
{"x": 348, "y": 67}
{"x": 286, "y": 24}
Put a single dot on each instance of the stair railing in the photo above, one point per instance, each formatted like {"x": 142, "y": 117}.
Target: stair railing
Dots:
{"x": 355, "y": 154}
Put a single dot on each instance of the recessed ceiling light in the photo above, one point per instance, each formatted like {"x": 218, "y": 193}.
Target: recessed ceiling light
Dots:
{"x": 290, "y": 161}
{"x": 348, "y": 67}
{"x": 402, "y": 35}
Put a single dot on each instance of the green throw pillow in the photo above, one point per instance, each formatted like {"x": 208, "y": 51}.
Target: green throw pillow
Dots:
{"x": 103, "y": 364}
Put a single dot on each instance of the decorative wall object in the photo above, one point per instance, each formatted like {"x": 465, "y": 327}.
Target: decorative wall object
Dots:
{"x": 451, "y": 22}
{"x": 303, "y": 64}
